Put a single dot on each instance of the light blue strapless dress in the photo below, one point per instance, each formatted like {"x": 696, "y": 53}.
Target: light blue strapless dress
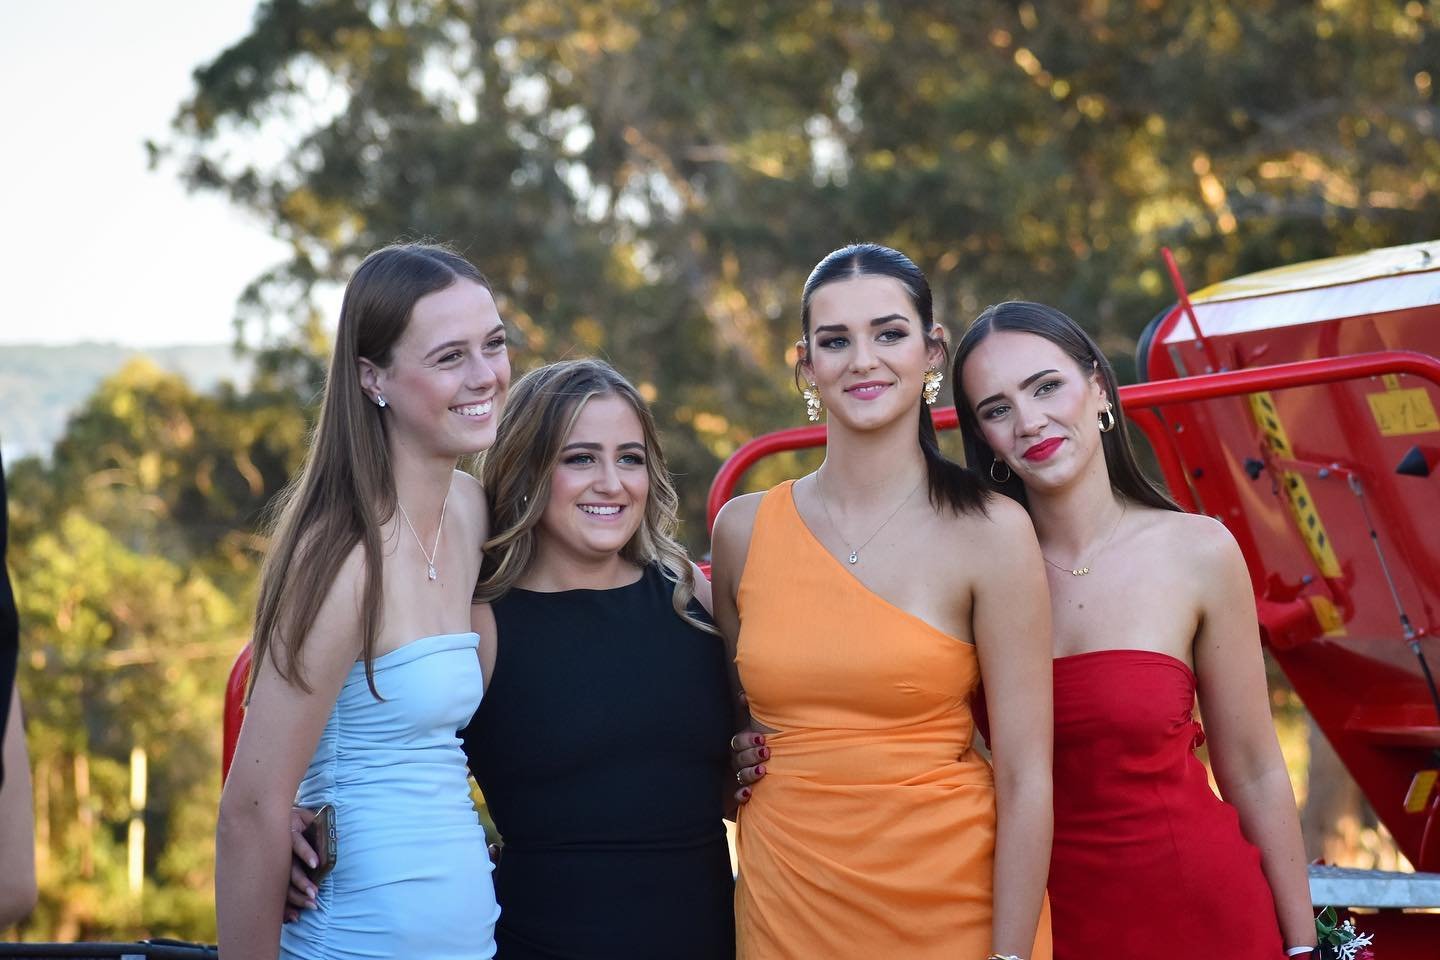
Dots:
{"x": 413, "y": 877}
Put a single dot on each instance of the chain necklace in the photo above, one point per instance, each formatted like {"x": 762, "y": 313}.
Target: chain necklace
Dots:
{"x": 855, "y": 552}
{"x": 1083, "y": 570}
{"x": 435, "y": 547}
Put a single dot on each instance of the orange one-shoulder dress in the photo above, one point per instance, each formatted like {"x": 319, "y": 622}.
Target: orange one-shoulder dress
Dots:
{"x": 873, "y": 832}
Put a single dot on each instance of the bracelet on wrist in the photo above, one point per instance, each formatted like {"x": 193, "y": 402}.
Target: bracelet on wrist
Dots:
{"x": 1003, "y": 956}
{"x": 1299, "y": 951}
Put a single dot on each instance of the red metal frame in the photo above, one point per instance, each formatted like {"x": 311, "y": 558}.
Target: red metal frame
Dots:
{"x": 1134, "y": 398}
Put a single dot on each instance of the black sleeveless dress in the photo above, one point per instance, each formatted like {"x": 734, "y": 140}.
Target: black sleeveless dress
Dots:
{"x": 602, "y": 747}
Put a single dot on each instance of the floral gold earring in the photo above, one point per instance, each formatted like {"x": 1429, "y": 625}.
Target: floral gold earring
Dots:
{"x": 812, "y": 402}
{"x": 931, "y": 391}
{"x": 1106, "y": 419}
{"x": 997, "y": 462}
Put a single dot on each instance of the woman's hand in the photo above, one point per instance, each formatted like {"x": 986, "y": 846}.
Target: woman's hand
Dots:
{"x": 301, "y": 894}
{"x": 748, "y": 754}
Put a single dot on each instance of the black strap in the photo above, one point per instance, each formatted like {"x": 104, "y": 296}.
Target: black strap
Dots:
{"x": 9, "y": 623}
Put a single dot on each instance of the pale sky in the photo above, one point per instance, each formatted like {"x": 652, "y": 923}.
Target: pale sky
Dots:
{"x": 95, "y": 246}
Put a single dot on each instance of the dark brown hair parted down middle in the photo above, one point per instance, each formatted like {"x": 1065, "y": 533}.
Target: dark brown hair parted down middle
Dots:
{"x": 1023, "y": 316}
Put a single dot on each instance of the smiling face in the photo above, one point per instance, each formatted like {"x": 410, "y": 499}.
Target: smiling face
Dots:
{"x": 1037, "y": 409}
{"x": 599, "y": 488}
{"x": 447, "y": 376}
{"x": 867, "y": 352}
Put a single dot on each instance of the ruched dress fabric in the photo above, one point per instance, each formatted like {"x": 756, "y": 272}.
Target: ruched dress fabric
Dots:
{"x": 1147, "y": 860}
{"x": 412, "y": 878}
{"x": 603, "y": 752}
{"x": 873, "y": 832}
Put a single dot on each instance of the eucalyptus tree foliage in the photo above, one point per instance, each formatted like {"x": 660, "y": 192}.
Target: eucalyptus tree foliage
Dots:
{"x": 651, "y": 179}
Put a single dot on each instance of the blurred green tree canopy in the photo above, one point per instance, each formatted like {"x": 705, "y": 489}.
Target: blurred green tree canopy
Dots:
{"x": 651, "y": 179}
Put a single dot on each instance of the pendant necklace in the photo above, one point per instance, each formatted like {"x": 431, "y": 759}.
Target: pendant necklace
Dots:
{"x": 435, "y": 547}
{"x": 855, "y": 552}
{"x": 1084, "y": 569}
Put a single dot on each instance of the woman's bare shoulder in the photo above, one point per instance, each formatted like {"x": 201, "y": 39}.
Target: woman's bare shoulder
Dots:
{"x": 737, "y": 517}
{"x": 1198, "y": 535}
{"x": 1001, "y": 519}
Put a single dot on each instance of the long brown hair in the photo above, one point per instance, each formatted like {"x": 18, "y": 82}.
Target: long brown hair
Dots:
{"x": 951, "y": 486}
{"x": 345, "y": 492}
{"x": 1023, "y": 316}
{"x": 541, "y": 410}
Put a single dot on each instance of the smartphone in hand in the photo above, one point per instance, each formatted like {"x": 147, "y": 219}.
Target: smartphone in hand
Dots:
{"x": 320, "y": 834}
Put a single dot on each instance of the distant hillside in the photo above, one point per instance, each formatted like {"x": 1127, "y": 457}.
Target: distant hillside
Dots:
{"x": 41, "y": 385}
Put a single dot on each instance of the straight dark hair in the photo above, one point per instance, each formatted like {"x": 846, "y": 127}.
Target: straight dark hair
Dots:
{"x": 1022, "y": 316}
{"x": 951, "y": 486}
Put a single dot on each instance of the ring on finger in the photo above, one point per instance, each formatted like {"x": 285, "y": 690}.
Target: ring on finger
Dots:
{"x": 739, "y": 779}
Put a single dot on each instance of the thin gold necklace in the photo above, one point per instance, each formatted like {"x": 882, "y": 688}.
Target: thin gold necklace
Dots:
{"x": 1085, "y": 569}
{"x": 435, "y": 547}
{"x": 855, "y": 552}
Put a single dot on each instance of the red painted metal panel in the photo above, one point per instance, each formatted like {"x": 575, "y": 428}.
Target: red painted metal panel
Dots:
{"x": 234, "y": 709}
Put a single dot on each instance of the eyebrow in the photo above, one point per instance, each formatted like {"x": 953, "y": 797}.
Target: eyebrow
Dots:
{"x": 628, "y": 445}
{"x": 460, "y": 342}
{"x": 878, "y": 321}
{"x": 1023, "y": 384}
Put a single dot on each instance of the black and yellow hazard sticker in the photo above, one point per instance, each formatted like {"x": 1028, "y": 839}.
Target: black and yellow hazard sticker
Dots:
{"x": 1302, "y": 505}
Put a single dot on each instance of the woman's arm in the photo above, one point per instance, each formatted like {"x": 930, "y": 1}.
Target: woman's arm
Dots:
{"x": 1235, "y": 705}
{"x": 729, "y": 545}
{"x": 282, "y": 725}
{"x": 17, "y": 824}
{"x": 1011, "y": 622}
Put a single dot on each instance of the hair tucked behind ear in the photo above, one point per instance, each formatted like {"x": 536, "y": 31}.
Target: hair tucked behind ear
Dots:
{"x": 951, "y": 486}
{"x": 1022, "y": 316}
{"x": 345, "y": 491}
{"x": 541, "y": 409}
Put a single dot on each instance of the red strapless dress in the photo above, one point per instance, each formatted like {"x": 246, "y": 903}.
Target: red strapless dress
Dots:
{"x": 1147, "y": 862}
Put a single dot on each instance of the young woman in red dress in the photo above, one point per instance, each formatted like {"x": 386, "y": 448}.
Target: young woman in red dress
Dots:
{"x": 1150, "y": 607}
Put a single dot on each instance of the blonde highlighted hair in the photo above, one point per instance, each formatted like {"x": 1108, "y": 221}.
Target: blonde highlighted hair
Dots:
{"x": 541, "y": 410}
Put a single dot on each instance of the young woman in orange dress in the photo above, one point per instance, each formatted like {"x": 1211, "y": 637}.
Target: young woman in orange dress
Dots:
{"x": 866, "y": 602}
{"x": 1150, "y": 606}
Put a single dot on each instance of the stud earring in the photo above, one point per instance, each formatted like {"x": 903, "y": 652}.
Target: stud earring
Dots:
{"x": 931, "y": 391}
{"x": 997, "y": 462}
{"x": 380, "y": 400}
{"x": 812, "y": 402}
{"x": 1106, "y": 419}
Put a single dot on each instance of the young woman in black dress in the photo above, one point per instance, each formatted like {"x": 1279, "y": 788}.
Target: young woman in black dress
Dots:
{"x": 592, "y": 637}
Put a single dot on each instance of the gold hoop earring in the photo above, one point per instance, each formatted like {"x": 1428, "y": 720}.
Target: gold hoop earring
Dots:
{"x": 812, "y": 402}
{"x": 997, "y": 462}
{"x": 931, "y": 391}
{"x": 1106, "y": 425}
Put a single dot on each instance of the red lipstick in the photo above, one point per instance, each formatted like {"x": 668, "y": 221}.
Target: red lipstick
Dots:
{"x": 1043, "y": 450}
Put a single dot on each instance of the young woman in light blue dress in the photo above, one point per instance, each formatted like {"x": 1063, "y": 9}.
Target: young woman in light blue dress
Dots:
{"x": 365, "y": 666}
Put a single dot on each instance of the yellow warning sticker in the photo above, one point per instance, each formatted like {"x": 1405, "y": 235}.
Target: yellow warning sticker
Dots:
{"x": 1398, "y": 412}
{"x": 1327, "y": 616}
{"x": 1418, "y": 796}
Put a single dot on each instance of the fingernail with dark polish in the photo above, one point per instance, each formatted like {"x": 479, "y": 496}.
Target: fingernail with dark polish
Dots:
{"x": 764, "y": 753}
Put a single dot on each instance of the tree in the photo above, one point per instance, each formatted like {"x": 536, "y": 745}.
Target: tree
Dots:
{"x": 651, "y": 179}
{"x": 134, "y": 554}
